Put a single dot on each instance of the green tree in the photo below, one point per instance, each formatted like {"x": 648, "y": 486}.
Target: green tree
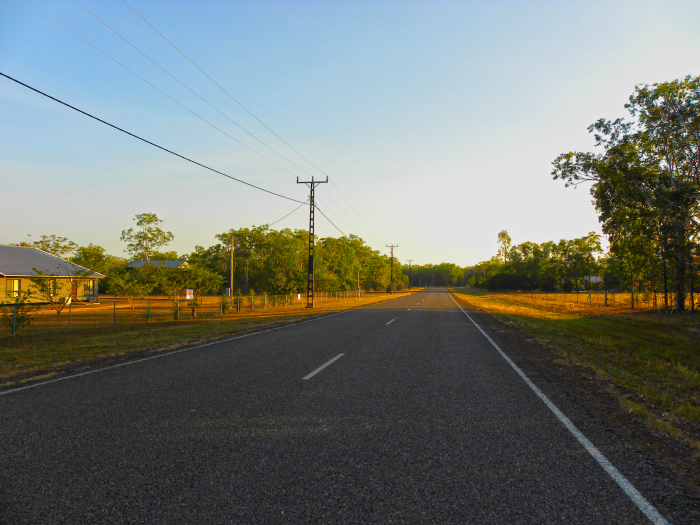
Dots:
{"x": 56, "y": 291}
{"x": 172, "y": 282}
{"x": 504, "y": 242}
{"x": 201, "y": 281}
{"x": 131, "y": 285}
{"x": 646, "y": 183}
{"x": 58, "y": 246}
{"x": 91, "y": 256}
{"x": 146, "y": 238}
{"x": 18, "y": 313}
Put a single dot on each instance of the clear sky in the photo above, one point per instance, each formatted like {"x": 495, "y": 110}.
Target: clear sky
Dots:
{"x": 437, "y": 121}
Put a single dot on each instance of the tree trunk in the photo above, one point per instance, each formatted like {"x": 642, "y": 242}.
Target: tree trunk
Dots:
{"x": 665, "y": 285}
{"x": 680, "y": 283}
{"x": 692, "y": 285}
{"x": 632, "y": 289}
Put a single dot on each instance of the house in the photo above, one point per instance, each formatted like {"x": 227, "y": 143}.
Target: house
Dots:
{"x": 160, "y": 264}
{"x": 19, "y": 263}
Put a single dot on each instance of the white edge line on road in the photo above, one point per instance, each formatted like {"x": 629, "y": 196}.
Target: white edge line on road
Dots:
{"x": 394, "y": 319}
{"x": 163, "y": 354}
{"x": 323, "y": 366}
{"x": 639, "y": 500}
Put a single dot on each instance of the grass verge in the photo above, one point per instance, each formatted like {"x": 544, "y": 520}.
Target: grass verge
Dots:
{"x": 652, "y": 354}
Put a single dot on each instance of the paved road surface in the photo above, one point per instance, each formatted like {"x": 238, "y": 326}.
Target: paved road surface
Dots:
{"x": 420, "y": 420}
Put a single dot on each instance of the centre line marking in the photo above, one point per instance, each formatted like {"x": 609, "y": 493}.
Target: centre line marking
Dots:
{"x": 394, "y": 319}
{"x": 323, "y": 366}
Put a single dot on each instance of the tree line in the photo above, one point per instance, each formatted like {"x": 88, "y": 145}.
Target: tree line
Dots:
{"x": 257, "y": 259}
{"x": 567, "y": 265}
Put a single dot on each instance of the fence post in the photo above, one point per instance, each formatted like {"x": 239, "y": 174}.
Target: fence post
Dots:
{"x": 14, "y": 320}
{"x": 114, "y": 315}
{"x": 177, "y": 309}
{"x": 148, "y": 313}
{"x": 69, "y": 312}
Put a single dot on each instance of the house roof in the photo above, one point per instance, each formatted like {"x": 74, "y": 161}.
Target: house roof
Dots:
{"x": 163, "y": 264}
{"x": 23, "y": 261}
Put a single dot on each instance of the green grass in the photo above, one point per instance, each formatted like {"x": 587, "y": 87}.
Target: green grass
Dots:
{"x": 654, "y": 354}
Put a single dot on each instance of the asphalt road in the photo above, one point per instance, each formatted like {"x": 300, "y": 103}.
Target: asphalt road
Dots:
{"x": 420, "y": 420}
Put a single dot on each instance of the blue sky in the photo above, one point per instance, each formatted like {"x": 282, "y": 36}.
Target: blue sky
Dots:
{"x": 438, "y": 121}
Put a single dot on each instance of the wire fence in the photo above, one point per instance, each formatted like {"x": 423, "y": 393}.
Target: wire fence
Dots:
{"x": 642, "y": 300}
{"x": 110, "y": 311}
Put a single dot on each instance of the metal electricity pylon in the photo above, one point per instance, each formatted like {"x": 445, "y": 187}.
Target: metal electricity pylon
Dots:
{"x": 310, "y": 284}
{"x": 392, "y": 246}
{"x": 410, "y": 273}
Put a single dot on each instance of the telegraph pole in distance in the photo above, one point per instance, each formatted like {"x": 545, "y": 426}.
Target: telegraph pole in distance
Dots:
{"x": 392, "y": 246}
{"x": 310, "y": 284}
{"x": 410, "y": 273}
{"x": 230, "y": 290}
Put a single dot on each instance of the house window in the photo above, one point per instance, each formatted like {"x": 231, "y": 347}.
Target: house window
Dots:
{"x": 12, "y": 288}
{"x": 89, "y": 287}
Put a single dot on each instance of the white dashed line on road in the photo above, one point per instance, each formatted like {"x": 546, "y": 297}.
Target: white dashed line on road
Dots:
{"x": 394, "y": 319}
{"x": 323, "y": 366}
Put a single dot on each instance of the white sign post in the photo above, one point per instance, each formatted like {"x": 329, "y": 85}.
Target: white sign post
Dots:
{"x": 189, "y": 294}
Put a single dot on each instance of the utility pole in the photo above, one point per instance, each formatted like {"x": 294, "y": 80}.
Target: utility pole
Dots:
{"x": 410, "y": 273}
{"x": 392, "y": 246}
{"x": 230, "y": 290}
{"x": 310, "y": 284}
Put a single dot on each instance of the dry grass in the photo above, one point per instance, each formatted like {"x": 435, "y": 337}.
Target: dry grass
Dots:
{"x": 654, "y": 354}
{"x": 48, "y": 348}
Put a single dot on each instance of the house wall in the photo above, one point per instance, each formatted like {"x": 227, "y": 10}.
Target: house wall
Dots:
{"x": 87, "y": 291}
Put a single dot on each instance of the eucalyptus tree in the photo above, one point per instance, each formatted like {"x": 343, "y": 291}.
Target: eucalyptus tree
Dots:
{"x": 146, "y": 238}
{"x": 58, "y": 246}
{"x": 646, "y": 182}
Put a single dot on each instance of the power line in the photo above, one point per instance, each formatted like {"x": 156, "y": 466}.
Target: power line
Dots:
{"x": 348, "y": 216}
{"x": 209, "y": 104}
{"x": 295, "y": 209}
{"x": 319, "y": 210}
{"x": 255, "y": 117}
{"x": 222, "y": 89}
{"x": 353, "y": 209}
{"x": 188, "y": 88}
{"x": 358, "y": 227}
{"x": 338, "y": 217}
{"x": 160, "y": 91}
{"x": 148, "y": 141}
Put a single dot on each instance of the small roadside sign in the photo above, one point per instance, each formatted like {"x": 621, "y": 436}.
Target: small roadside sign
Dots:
{"x": 189, "y": 294}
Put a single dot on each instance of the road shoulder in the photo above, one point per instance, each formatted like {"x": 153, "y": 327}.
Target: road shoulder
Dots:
{"x": 598, "y": 395}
